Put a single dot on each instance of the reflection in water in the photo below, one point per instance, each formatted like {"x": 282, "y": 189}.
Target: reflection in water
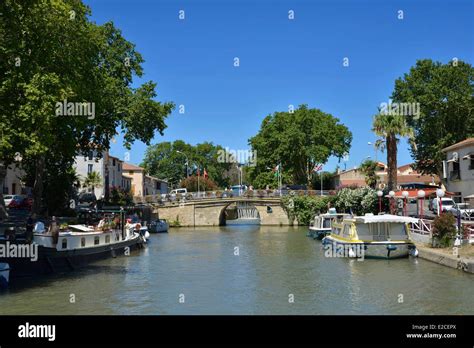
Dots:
{"x": 272, "y": 264}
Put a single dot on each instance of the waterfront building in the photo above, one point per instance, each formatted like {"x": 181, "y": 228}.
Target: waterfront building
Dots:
{"x": 142, "y": 184}
{"x": 94, "y": 161}
{"x": 14, "y": 184}
{"x": 405, "y": 175}
{"x": 458, "y": 169}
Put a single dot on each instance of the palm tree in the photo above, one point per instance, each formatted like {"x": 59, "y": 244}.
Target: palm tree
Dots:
{"x": 369, "y": 169}
{"x": 390, "y": 127}
{"x": 93, "y": 180}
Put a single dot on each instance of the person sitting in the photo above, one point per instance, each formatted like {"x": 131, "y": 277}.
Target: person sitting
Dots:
{"x": 54, "y": 230}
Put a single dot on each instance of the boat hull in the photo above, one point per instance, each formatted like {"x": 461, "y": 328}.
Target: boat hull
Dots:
{"x": 373, "y": 250}
{"x": 318, "y": 233}
{"x": 51, "y": 260}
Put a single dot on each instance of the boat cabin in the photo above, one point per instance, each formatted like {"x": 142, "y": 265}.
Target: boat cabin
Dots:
{"x": 374, "y": 228}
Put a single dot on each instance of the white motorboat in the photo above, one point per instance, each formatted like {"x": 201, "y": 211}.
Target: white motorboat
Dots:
{"x": 371, "y": 236}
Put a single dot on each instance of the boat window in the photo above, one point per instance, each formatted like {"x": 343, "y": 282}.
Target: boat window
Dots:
{"x": 364, "y": 232}
{"x": 347, "y": 231}
{"x": 83, "y": 241}
{"x": 107, "y": 238}
{"x": 379, "y": 231}
{"x": 96, "y": 240}
{"x": 117, "y": 237}
{"x": 327, "y": 223}
{"x": 64, "y": 243}
{"x": 398, "y": 232}
{"x": 337, "y": 230}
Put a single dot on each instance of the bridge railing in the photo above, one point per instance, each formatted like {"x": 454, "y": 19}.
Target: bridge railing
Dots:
{"x": 191, "y": 196}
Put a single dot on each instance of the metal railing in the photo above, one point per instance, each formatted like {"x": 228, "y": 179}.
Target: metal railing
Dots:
{"x": 422, "y": 227}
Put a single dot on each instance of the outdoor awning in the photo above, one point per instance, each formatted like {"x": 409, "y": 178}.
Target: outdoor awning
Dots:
{"x": 368, "y": 219}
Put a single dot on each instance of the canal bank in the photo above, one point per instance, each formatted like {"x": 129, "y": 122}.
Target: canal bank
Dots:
{"x": 442, "y": 257}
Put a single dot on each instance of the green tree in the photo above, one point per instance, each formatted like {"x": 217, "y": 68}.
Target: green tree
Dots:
{"x": 369, "y": 169}
{"x": 390, "y": 127}
{"x": 446, "y": 96}
{"x": 51, "y": 52}
{"x": 192, "y": 184}
{"x": 168, "y": 160}
{"x": 298, "y": 141}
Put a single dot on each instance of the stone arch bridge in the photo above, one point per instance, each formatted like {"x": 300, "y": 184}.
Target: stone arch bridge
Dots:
{"x": 210, "y": 212}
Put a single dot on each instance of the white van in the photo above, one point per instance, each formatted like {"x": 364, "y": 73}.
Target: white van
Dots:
{"x": 447, "y": 204}
{"x": 182, "y": 191}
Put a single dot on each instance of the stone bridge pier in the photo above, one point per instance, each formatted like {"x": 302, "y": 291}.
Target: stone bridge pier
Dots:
{"x": 210, "y": 212}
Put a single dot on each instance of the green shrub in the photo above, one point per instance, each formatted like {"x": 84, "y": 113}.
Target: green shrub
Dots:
{"x": 357, "y": 201}
{"x": 304, "y": 208}
{"x": 444, "y": 230}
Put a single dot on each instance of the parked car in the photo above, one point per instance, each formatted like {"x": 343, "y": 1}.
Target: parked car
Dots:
{"x": 182, "y": 191}
{"x": 9, "y": 198}
{"x": 86, "y": 201}
{"x": 21, "y": 202}
{"x": 446, "y": 203}
{"x": 238, "y": 189}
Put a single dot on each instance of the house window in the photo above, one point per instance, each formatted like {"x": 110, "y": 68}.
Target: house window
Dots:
{"x": 113, "y": 162}
{"x": 119, "y": 167}
{"x": 471, "y": 161}
{"x": 107, "y": 239}
{"x": 90, "y": 167}
{"x": 157, "y": 185}
{"x": 455, "y": 174}
{"x": 64, "y": 243}
{"x": 96, "y": 240}
{"x": 83, "y": 242}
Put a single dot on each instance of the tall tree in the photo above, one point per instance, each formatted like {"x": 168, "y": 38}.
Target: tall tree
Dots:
{"x": 298, "y": 140}
{"x": 445, "y": 93}
{"x": 52, "y": 53}
{"x": 369, "y": 169}
{"x": 391, "y": 127}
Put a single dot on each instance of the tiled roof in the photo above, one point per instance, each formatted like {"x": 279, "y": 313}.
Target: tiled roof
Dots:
{"x": 128, "y": 166}
{"x": 466, "y": 142}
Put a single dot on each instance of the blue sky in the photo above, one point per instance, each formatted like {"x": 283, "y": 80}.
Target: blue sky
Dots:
{"x": 282, "y": 61}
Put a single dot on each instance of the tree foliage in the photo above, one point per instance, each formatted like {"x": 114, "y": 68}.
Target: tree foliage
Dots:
{"x": 358, "y": 201}
{"x": 51, "y": 52}
{"x": 298, "y": 141}
{"x": 369, "y": 169}
{"x": 167, "y": 161}
{"x": 193, "y": 184}
{"x": 446, "y": 96}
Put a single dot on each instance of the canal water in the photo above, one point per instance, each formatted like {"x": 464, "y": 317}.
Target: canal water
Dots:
{"x": 245, "y": 270}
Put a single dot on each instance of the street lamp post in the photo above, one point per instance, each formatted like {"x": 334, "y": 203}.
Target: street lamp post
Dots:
{"x": 405, "y": 197}
{"x": 440, "y": 194}
{"x": 187, "y": 162}
{"x": 421, "y": 196}
{"x": 380, "y": 194}
{"x": 392, "y": 201}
